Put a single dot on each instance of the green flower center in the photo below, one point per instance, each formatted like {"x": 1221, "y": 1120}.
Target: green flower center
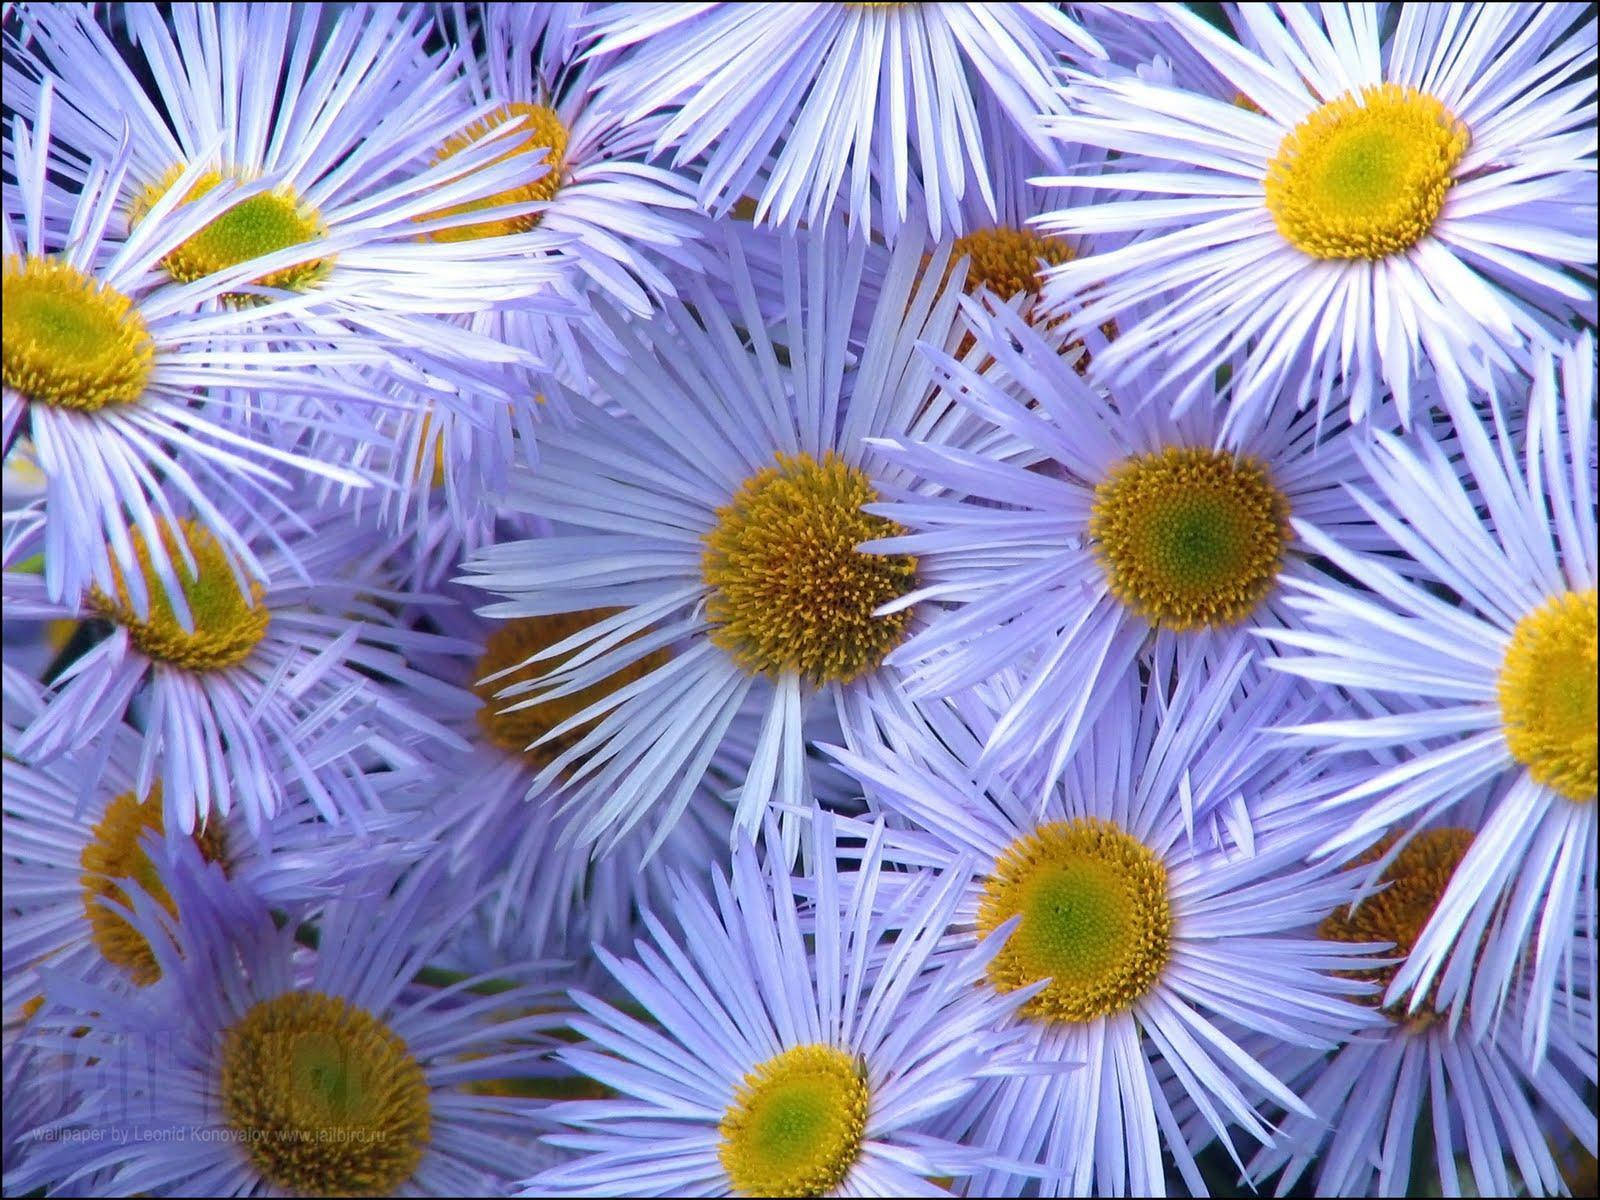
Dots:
{"x": 326, "y": 1098}
{"x": 796, "y": 1124}
{"x": 227, "y": 624}
{"x": 71, "y": 341}
{"x": 1365, "y": 175}
{"x": 1096, "y": 919}
{"x": 1189, "y": 538}
{"x": 261, "y": 225}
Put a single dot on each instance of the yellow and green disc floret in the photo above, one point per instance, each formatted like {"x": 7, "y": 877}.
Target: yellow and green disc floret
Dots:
{"x": 796, "y": 1124}
{"x": 1096, "y": 919}
{"x": 1189, "y": 538}
{"x": 789, "y": 589}
{"x": 1365, "y": 175}
{"x": 253, "y": 228}
{"x": 325, "y": 1098}
{"x": 71, "y": 341}
{"x": 228, "y": 624}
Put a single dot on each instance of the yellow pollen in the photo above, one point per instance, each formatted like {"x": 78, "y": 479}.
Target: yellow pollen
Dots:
{"x": 1547, "y": 694}
{"x": 513, "y": 643}
{"x": 789, "y": 589}
{"x": 1096, "y": 919}
{"x": 1008, "y": 261}
{"x": 541, "y": 127}
{"x": 253, "y": 228}
{"x": 326, "y": 1099}
{"x": 69, "y": 340}
{"x": 1414, "y": 882}
{"x": 227, "y": 626}
{"x": 1011, "y": 262}
{"x": 1189, "y": 538}
{"x": 113, "y": 853}
{"x": 1365, "y": 176}
{"x": 428, "y": 436}
{"x": 796, "y": 1124}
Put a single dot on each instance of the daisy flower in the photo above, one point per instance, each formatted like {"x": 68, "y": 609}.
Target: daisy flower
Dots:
{"x": 1421, "y": 1075}
{"x": 614, "y": 214}
{"x": 785, "y": 102}
{"x": 117, "y": 383}
{"x": 251, "y": 1068}
{"x": 349, "y": 121}
{"x": 1373, "y": 210}
{"x": 75, "y": 826}
{"x": 1499, "y": 686}
{"x": 342, "y": 120}
{"x": 1131, "y": 530}
{"x": 607, "y": 224}
{"x": 253, "y": 690}
{"x": 1158, "y": 947}
{"x": 720, "y": 514}
{"x": 781, "y": 1065}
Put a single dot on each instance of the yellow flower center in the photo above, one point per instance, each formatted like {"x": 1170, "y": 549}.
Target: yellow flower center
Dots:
{"x": 227, "y": 625}
{"x": 255, "y": 227}
{"x": 796, "y": 1124}
{"x": 325, "y": 1098}
{"x": 1189, "y": 538}
{"x": 1096, "y": 919}
{"x": 789, "y": 589}
{"x": 1365, "y": 175}
{"x": 1414, "y": 881}
{"x": 71, "y": 341}
{"x": 510, "y": 645}
{"x": 1547, "y": 694}
{"x": 113, "y": 853}
{"x": 541, "y": 127}
{"x": 1008, "y": 261}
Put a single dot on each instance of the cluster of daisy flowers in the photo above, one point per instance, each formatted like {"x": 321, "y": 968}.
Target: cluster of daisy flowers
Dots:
{"x": 790, "y": 600}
